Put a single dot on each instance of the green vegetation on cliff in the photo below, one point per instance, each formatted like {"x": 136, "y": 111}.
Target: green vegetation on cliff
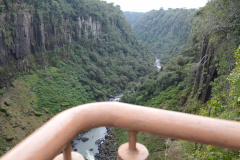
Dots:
{"x": 200, "y": 79}
{"x": 58, "y": 54}
{"x": 164, "y": 31}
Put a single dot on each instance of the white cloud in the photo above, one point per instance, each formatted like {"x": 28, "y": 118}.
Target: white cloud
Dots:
{"x": 147, "y": 5}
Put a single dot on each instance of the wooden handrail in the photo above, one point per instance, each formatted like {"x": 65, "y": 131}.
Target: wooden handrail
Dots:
{"x": 46, "y": 142}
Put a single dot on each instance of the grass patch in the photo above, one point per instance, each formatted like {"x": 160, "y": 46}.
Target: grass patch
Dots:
{"x": 155, "y": 144}
{"x": 2, "y": 91}
{"x": 20, "y": 123}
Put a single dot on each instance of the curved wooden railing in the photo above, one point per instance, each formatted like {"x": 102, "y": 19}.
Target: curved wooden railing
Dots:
{"x": 56, "y": 135}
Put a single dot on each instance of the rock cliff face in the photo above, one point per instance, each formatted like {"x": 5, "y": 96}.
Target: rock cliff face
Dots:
{"x": 206, "y": 71}
{"x": 88, "y": 25}
{"x": 24, "y": 34}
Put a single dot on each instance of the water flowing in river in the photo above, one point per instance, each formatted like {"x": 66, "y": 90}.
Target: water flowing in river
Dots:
{"x": 89, "y": 148}
{"x": 87, "y": 142}
{"x": 157, "y": 64}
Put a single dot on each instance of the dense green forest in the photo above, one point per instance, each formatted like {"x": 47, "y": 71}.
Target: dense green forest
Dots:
{"x": 165, "y": 32}
{"x": 58, "y": 54}
{"x": 203, "y": 78}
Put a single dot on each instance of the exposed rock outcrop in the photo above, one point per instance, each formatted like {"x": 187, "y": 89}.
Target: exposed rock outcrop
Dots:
{"x": 84, "y": 139}
{"x": 206, "y": 71}
{"x": 26, "y": 35}
{"x": 89, "y": 26}
{"x": 108, "y": 149}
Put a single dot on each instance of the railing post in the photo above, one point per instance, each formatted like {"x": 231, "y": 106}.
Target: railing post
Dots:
{"x": 132, "y": 150}
{"x": 67, "y": 152}
{"x": 132, "y": 140}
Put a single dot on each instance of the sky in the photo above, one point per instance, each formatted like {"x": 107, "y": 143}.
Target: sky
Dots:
{"x": 147, "y": 5}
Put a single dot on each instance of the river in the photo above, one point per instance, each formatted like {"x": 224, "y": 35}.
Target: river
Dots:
{"x": 157, "y": 64}
{"x": 87, "y": 143}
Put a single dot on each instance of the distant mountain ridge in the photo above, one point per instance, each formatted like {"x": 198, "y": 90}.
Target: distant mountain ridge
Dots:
{"x": 164, "y": 31}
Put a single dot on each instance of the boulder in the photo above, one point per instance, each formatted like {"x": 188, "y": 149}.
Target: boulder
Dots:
{"x": 13, "y": 85}
{"x": 7, "y": 114}
{"x": 98, "y": 141}
{"x": 46, "y": 110}
{"x": 9, "y": 138}
{"x": 38, "y": 114}
{"x": 110, "y": 96}
{"x": 3, "y": 110}
{"x": 84, "y": 139}
{"x": 26, "y": 111}
{"x": 79, "y": 137}
{"x": 64, "y": 105}
{"x": 7, "y": 104}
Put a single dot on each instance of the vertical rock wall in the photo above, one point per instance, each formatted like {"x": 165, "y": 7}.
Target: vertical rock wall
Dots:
{"x": 206, "y": 71}
{"x": 24, "y": 33}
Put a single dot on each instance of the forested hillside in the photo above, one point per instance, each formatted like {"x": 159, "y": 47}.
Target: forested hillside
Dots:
{"x": 58, "y": 54}
{"x": 133, "y": 17}
{"x": 164, "y": 31}
{"x": 201, "y": 79}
